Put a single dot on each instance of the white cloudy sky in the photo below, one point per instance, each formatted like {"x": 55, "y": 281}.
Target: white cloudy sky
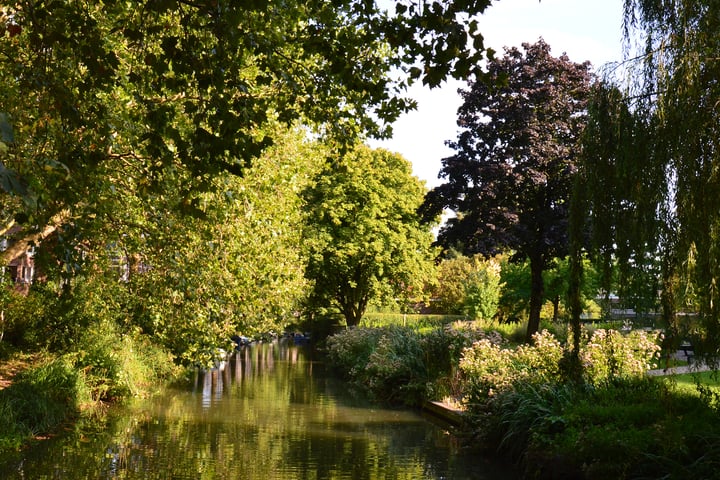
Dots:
{"x": 584, "y": 29}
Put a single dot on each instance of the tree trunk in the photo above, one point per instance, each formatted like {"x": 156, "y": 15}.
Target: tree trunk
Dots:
{"x": 537, "y": 290}
{"x": 556, "y": 308}
{"x": 353, "y": 312}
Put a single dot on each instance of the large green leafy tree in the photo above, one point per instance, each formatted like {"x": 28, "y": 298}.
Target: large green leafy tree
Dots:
{"x": 121, "y": 121}
{"x": 240, "y": 268}
{"x": 509, "y": 181}
{"x": 363, "y": 232}
{"x": 119, "y": 95}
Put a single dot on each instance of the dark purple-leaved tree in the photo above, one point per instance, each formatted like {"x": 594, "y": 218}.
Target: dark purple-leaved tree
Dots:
{"x": 510, "y": 178}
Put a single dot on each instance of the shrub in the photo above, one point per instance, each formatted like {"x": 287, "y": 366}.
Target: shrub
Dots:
{"x": 117, "y": 364}
{"x": 349, "y": 351}
{"x": 399, "y": 364}
{"x": 490, "y": 369}
{"x": 396, "y": 370}
{"x": 608, "y": 354}
{"x": 444, "y": 347}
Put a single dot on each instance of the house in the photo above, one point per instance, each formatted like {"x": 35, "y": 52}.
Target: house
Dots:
{"x": 21, "y": 269}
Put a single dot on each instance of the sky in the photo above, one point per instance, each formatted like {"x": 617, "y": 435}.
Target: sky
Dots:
{"x": 584, "y": 29}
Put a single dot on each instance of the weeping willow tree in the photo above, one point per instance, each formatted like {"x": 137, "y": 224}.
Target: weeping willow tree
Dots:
{"x": 649, "y": 187}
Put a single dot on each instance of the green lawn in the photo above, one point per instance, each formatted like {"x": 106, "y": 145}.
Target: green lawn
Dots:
{"x": 689, "y": 380}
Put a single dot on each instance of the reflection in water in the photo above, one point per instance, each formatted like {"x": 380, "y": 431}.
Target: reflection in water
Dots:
{"x": 270, "y": 413}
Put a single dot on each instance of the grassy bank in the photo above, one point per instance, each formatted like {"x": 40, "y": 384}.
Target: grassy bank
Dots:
{"x": 521, "y": 402}
{"x": 44, "y": 391}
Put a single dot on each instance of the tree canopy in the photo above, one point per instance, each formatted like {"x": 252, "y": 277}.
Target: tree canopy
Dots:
{"x": 363, "y": 232}
{"x": 107, "y": 96}
{"x": 509, "y": 181}
{"x": 124, "y": 124}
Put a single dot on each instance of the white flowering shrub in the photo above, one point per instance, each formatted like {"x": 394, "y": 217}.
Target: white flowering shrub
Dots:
{"x": 609, "y": 354}
{"x": 490, "y": 369}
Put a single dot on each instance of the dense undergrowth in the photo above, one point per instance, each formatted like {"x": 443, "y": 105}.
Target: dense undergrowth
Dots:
{"x": 521, "y": 401}
{"x": 104, "y": 367}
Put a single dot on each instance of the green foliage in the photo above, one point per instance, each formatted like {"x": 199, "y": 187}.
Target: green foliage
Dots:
{"x": 363, "y": 234}
{"x": 417, "y": 321}
{"x": 467, "y": 285}
{"x": 608, "y": 355}
{"x": 515, "y": 297}
{"x": 30, "y": 319}
{"x": 105, "y": 366}
{"x": 125, "y": 128}
{"x": 118, "y": 365}
{"x": 443, "y": 348}
{"x": 401, "y": 365}
{"x": 182, "y": 89}
{"x": 39, "y": 400}
{"x": 396, "y": 370}
{"x": 491, "y": 369}
{"x": 650, "y": 162}
{"x": 638, "y": 428}
{"x": 482, "y": 291}
{"x": 350, "y": 350}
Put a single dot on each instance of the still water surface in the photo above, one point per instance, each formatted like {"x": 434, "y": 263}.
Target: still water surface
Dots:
{"x": 272, "y": 413}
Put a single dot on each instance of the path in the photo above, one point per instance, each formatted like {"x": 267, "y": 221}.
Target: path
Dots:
{"x": 692, "y": 367}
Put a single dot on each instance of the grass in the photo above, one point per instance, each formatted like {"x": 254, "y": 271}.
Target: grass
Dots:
{"x": 376, "y": 320}
{"x": 668, "y": 363}
{"x": 637, "y": 428}
{"x": 688, "y": 381}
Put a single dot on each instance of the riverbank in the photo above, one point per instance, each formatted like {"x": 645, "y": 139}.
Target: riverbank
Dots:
{"x": 522, "y": 404}
{"x": 41, "y": 392}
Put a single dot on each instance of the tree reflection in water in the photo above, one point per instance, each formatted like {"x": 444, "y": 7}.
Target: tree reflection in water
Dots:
{"x": 270, "y": 413}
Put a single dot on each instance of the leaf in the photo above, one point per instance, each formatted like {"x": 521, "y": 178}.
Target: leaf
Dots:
{"x": 6, "y": 130}
{"x": 11, "y": 182}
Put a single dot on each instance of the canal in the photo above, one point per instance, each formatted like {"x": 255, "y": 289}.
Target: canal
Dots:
{"x": 271, "y": 413}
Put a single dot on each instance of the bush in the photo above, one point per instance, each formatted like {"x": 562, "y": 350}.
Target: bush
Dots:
{"x": 401, "y": 365}
{"x": 396, "y": 370}
{"x": 608, "y": 354}
{"x": 349, "y": 351}
{"x": 387, "y": 362}
{"x": 30, "y": 319}
{"x": 118, "y": 365}
{"x": 444, "y": 347}
{"x": 490, "y": 369}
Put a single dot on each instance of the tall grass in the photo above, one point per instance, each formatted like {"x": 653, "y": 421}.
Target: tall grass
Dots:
{"x": 417, "y": 321}
{"x": 39, "y": 400}
{"x": 106, "y": 365}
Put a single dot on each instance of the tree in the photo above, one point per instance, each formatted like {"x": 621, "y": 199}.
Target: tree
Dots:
{"x": 510, "y": 179}
{"x": 467, "y": 286}
{"x": 120, "y": 122}
{"x": 649, "y": 172}
{"x": 240, "y": 268}
{"x": 363, "y": 232}
{"x": 101, "y": 95}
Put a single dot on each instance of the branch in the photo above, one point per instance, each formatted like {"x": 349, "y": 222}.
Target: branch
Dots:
{"x": 7, "y": 228}
{"x": 22, "y": 245}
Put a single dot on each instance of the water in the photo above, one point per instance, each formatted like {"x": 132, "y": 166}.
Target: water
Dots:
{"x": 272, "y": 413}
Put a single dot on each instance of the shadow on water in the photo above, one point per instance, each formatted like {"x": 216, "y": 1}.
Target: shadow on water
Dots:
{"x": 270, "y": 413}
